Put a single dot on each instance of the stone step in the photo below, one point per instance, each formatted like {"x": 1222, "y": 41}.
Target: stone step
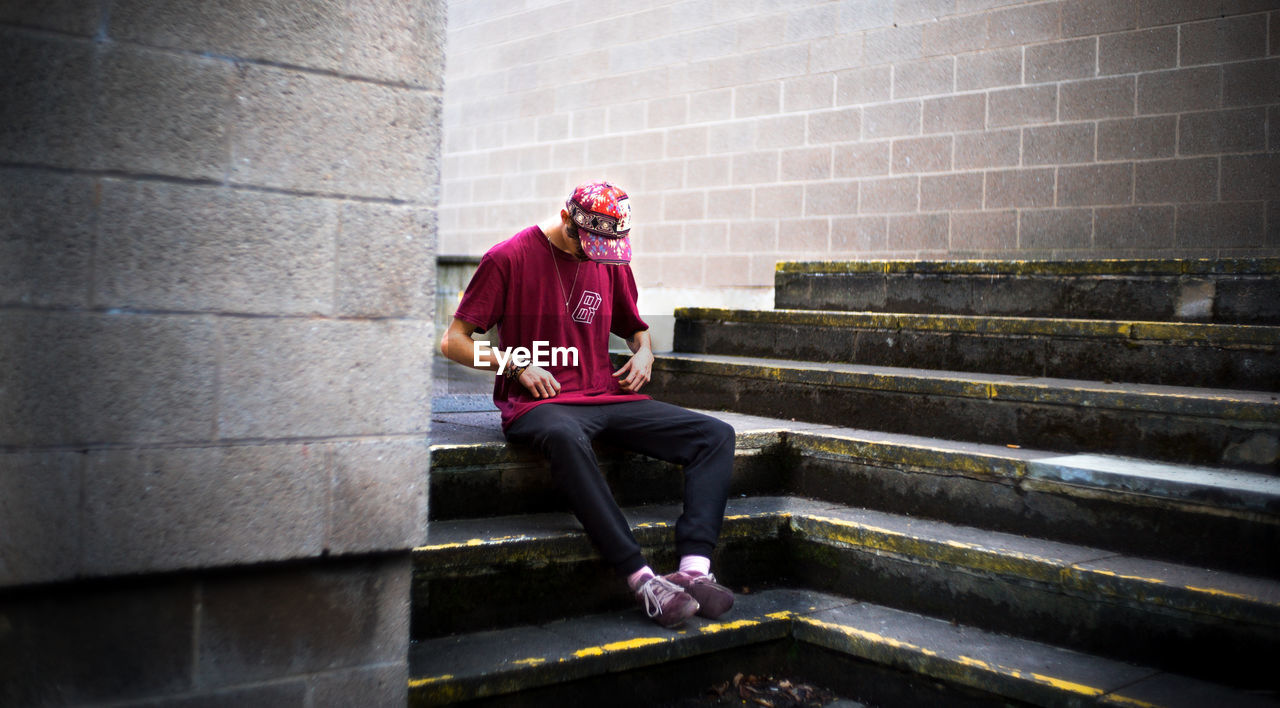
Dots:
{"x": 494, "y": 573}
{"x": 1241, "y": 291}
{"x": 1180, "y": 618}
{"x": 1216, "y": 427}
{"x": 1199, "y": 516}
{"x": 1187, "y": 354}
{"x": 1194, "y": 515}
{"x": 476, "y": 574}
{"x": 555, "y": 663}
{"x": 475, "y": 477}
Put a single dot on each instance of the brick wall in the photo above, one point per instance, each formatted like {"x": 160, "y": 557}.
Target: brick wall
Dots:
{"x": 749, "y": 131}
{"x": 217, "y": 231}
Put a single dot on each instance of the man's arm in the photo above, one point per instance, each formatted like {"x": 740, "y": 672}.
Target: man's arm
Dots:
{"x": 636, "y": 372}
{"x": 458, "y": 346}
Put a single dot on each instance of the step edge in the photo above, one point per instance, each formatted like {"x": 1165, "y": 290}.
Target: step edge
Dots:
{"x": 1168, "y": 333}
{"x": 1106, "y": 266}
{"x": 1224, "y": 404}
{"x": 814, "y": 626}
{"x": 1083, "y": 572}
{"x": 1086, "y": 577}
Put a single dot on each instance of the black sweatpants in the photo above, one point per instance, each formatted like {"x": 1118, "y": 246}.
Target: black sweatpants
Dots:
{"x": 704, "y": 445}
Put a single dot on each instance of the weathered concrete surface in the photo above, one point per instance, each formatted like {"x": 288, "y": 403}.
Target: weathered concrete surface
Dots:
{"x": 1215, "y": 517}
{"x": 1206, "y": 355}
{"x": 1044, "y": 590}
{"x": 216, "y": 269}
{"x": 1185, "y": 425}
{"x": 1132, "y": 608}
{"x": 1224, "y": 489}
{"x": 538, "y": 559}
{"x": 475, "y": 473}
{"x": 191, "y": 634}
{"x": 992, "y": 487}
{"x": 1243, "y": 291}
{"x": 453, "y": 669}
{"x": 499, "y": 662}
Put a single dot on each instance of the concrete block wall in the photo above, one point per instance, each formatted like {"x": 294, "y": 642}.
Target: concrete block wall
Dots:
{"x": 750, "y": 131}
{"x": 217, "y": 254}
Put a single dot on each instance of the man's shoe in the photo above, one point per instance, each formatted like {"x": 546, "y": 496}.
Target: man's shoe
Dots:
{"x": 665, "y": 602}
{"x": 713, "y": 598}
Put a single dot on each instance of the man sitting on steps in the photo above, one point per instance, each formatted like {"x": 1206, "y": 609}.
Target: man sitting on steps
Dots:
{"x": 560, "y": 288}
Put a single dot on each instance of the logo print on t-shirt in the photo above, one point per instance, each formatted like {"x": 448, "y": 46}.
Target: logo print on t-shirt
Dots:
{"x": 585, "y": 312}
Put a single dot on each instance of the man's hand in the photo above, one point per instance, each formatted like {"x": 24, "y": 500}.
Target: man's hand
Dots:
{"x": 540, "y": 382}
{"x": 636, "y": 372}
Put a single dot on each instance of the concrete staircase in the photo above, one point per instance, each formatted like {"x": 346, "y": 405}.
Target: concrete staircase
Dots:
{"x": 945, "y": 492}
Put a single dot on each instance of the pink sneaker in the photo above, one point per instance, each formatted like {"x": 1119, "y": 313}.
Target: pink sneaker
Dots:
{"x": 665, "y": 602}
{"x": 713, "y": 598}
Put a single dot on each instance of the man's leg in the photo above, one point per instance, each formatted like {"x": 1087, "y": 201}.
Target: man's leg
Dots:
{"x": 702, "y": 444}
{"x": 563, "y": 433}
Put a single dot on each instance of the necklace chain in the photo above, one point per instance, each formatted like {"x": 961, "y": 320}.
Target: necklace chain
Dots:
{"x": 560, "y": 280}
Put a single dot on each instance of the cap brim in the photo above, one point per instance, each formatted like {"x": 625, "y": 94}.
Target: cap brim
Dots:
{"x": 604, "y": 249}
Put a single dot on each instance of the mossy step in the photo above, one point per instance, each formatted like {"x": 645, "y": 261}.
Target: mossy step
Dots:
{"x": 1186, "y": 620}
{"x": 1068, "y": 569}
{"x": 479, "y": 546}
{"x": 1227, "y": 491}
{"x": 1218, "y": 427}
{"x": 488, "y": 664}
{"x": 1239, "y": 291}
{"x": 475, "y": 545}
{"x": 1193, "y": 515}
{"x": 1095, "y": 267}
{"x": 1071, "y": 595}
{"x": 1266, "y": 338}
{"x": 1190, "y": 515}
{"x": 1190, "y": 354}
{"x": 539, "y": 557}
{"x": 475, "y": 472}
{"x": 468, "y": 666}
{"x": 1018, "y": 669}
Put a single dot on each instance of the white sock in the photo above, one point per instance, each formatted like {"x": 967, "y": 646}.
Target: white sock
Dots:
{"x": 634, "y": 580}
{"x": 695, "y": 564}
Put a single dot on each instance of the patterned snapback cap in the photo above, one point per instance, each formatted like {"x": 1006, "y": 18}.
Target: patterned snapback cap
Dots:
{"x": 602, "y": 213}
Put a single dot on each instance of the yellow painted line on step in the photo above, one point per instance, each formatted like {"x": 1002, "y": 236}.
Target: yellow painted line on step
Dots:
{"x": 474, "y": 542}
{"x": 1055, "y": 682}
{"x": 783, "y": 615}
{"x": 418, "y": 683}
{"x": 853, "y": 525}
{"x": 457, "y": 544}
{"x": 869, "y": 636}
{"x": 1065, "y": 685}
{"x": 1126, "y": 701}
{"x": 653, "y": 525}
{"x": 726, "y": 626}
{"x": 1060, "y": 684}
{"x": 619, "y": 646}
{"x": 1212, "y": 592}
{"x": 1233, "y": 595}
{"x": 531, "y": 661}
{"x": 1109, "y": 573}
{"x": 996, "y": 559}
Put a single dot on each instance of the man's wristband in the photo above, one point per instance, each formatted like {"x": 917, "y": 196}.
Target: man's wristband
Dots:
{"x": 513, "y": 372}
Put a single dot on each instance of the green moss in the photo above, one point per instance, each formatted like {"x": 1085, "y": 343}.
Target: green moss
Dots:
{"x": 1149, "y": 267}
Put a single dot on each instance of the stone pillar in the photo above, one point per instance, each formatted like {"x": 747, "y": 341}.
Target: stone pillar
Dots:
{"x": 217, "y": 247}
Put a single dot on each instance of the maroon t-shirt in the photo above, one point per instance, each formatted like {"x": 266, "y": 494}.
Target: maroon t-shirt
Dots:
{"x": 516, "y": 289}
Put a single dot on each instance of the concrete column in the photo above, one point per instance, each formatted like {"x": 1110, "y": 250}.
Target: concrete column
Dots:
{"x": 217, "y": 248}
